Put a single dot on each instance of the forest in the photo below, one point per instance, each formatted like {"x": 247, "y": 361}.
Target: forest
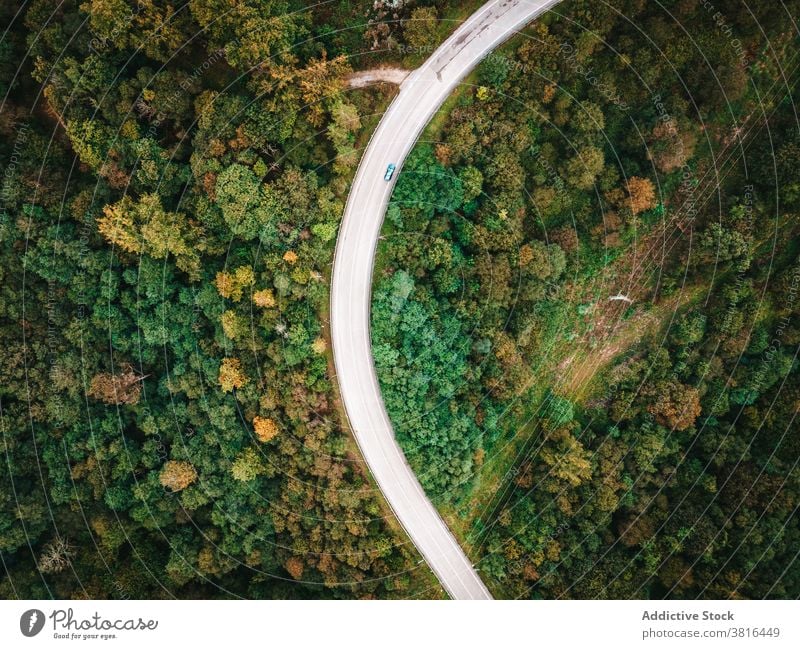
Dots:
{"x": 173, "y": 174}
{"x": 585, "y": 311}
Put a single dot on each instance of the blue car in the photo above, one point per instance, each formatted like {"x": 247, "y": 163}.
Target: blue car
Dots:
{"x": 389, "y": 171}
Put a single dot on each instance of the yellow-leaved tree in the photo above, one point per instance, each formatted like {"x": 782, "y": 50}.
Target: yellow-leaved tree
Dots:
{"x": 231, "y": 375}
{"x": 265, "y": 428}
{"x": 176, "y": 475}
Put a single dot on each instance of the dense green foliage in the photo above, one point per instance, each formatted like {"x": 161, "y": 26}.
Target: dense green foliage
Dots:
{"x": 173, "y": 175}
{"x": 596, "y": 448}
{"x": 172, "y": 179}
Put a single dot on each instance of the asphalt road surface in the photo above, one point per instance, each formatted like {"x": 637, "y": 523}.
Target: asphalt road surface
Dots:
{"x": 420, "y": 96}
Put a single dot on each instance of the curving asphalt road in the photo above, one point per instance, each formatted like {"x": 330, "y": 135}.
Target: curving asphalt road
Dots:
{"x": 420, "y": 96}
